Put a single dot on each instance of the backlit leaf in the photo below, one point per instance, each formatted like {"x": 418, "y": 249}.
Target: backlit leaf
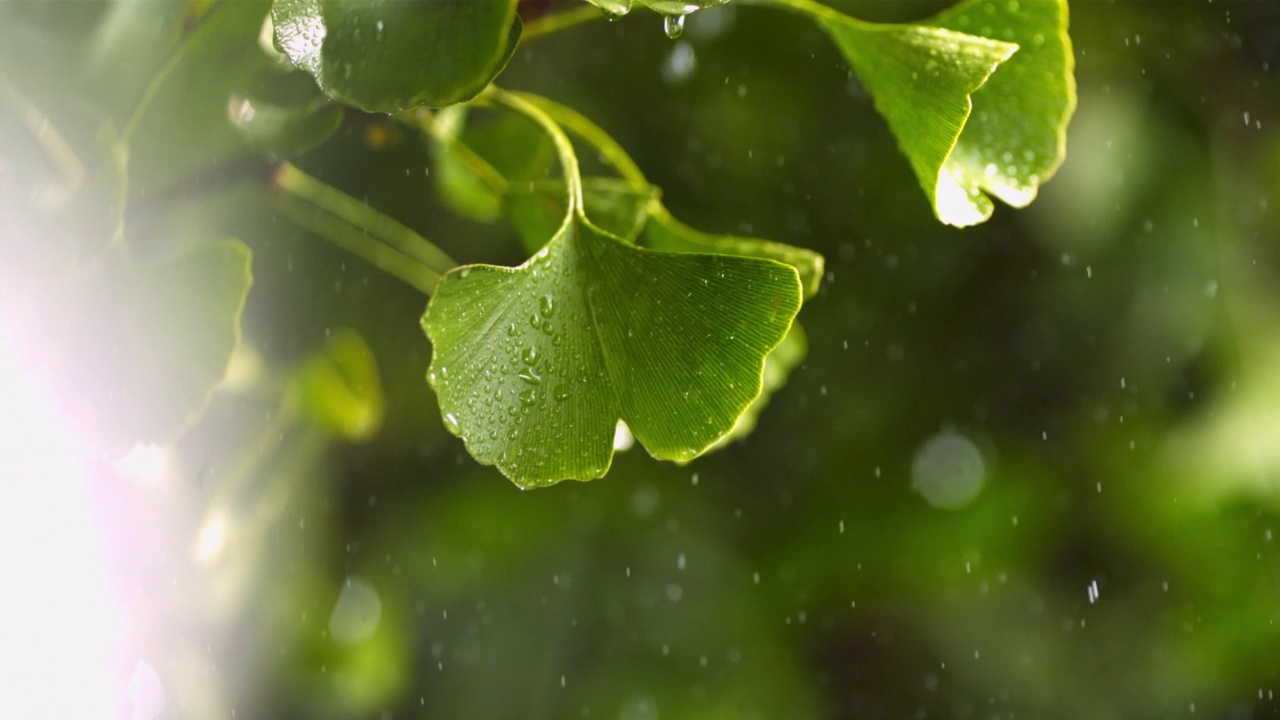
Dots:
{"x": 535, "y": 365}
{"x": 964, "y": 129}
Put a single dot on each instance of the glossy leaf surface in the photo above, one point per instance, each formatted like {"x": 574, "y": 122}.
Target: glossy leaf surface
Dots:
{"x": 1016, "y": 136}
{"x": 535, "y": 365}
{"x": 388, "y": 55}
{"x": 284, "y": 117}
{"x": 667, "y": 7}
{"x": 964, "y": 129}
{"x": 921, "y": 79}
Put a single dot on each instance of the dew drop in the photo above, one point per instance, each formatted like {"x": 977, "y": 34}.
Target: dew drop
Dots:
{"x": 547, "y": 306}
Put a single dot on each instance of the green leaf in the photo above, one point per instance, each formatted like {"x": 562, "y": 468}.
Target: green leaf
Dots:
{"x": 535, "y": 365}
{"x": 285, "y": 115}
{"x": 1017, "y": 135}
{"x": 339, "y": 388}
{"x": 148, "y": 344}
{"x": 388, "y": 55}
{"x": 664, "y": 232}
{"x": 963, "y": 129}
{"x": 921, "y": 78}
{"x": 666, "y": 7}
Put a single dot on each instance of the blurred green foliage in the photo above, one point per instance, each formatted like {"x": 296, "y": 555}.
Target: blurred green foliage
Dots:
{"x": 1111, "y": 351}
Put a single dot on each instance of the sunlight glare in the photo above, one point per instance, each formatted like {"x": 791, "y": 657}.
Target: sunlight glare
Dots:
{"x": 60, "y": 620}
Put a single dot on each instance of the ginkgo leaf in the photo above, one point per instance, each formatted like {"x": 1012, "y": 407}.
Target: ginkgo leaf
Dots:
{"x": 140, "y": 361}
{"x": 535, "y": 365}
{"x": 388, "y": 55}
{"x": 921, "y": 78}
{"x": 1017, "y": 134}
{"x": 664, "y": 232}
{"x": 964, "y": 129}
{"x": 666, "y": 7}
{"x": 284, "y": 114}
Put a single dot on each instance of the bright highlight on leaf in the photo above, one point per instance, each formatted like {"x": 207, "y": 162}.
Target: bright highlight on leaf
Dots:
{"x": 1016, "y": 136}
{"x": 388, "y": 55}
{"x": 978, "y": 98}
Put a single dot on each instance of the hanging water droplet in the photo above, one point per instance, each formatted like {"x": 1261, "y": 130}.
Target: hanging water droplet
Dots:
{"x": 673, "y": 25}
{"x": 451, "y": 423}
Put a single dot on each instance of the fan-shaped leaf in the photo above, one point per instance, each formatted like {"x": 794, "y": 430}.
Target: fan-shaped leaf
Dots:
{"x": 535, "y": 365}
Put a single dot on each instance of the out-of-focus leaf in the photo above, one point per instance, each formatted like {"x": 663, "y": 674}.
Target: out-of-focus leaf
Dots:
{"x": 387, "y": 55}
{"x": 535, "y": 365}
{"x": 146, "y": 345}
{"x": 285, "y": 115}
{"x": 339, "y": 388}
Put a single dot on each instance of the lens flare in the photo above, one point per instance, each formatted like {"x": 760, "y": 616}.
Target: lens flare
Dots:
{"x": 62, "y": 625}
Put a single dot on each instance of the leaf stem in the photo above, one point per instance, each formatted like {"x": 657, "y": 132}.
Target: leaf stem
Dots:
{"x": 361, "y": 230}
{"x": 528, "y": 106}
{"x": 813, "y": 10}
{"x": 42, "y": 130}
{"x": 556, "y": 22}
{"x": 582, "y": 126}
{"x": 427, "y": 122}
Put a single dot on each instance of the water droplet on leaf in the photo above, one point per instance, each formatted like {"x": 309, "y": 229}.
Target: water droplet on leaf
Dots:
{"x": 673, "y": 25}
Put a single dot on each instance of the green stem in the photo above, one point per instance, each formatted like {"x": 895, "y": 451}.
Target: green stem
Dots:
{"x": 361, "y": 230}
{"x": 427, "y": 122}
{"x": 527, "y": 105}
{"x": 358, "y": 214}
{"x": 556, "y": 22}
{"x": 55, "y": 146}
{"x": 810, "y": 9}
{"x": 586, "y": 129}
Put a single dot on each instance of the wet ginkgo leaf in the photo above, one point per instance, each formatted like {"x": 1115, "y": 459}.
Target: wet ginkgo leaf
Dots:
{"x": 930, "y": 82}
{"x": 387, "y": 55}
{"x": 535, "y": 365}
